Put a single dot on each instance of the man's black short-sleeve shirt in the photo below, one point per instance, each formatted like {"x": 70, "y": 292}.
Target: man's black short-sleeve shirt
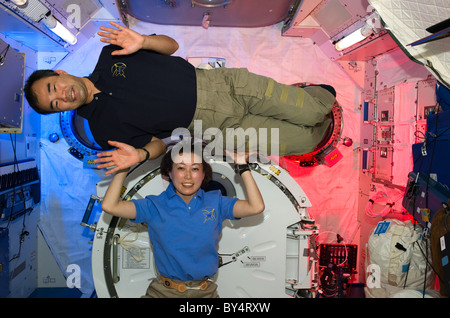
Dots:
{"x": 144, "y": 94}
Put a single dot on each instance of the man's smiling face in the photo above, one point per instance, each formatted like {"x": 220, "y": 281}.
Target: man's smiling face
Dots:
{"x": 60, "y": 93}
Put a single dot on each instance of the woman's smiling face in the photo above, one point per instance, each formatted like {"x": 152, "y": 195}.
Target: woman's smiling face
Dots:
{"x": 187, "y": 175}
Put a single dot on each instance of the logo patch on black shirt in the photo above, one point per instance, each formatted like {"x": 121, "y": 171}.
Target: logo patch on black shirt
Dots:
{"x": 118, "y": 69}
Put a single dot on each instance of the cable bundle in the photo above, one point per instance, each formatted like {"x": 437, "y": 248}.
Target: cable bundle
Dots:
{"x": 386, "y": 209}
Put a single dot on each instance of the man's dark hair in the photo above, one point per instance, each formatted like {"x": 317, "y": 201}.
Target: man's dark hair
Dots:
{"x": 30, "y": 95}
{"x": 167, "y": 163}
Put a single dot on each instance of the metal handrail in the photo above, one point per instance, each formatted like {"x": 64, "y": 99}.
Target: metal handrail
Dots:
{"x": 197, "y": 2}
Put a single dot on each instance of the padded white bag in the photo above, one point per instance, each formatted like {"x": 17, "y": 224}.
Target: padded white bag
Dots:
{"x": 395, "y": 259}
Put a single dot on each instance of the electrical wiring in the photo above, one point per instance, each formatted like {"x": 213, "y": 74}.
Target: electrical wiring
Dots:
{"x": 22, "y": 235}
{"x": 387, "y": 208}
{"x": 425, "y": 151}
{"x": 13, "y": 145}
{"x": 427, "y": 144}
{"x": 334, "y": 278}
{"x": 425, "y": 256}
{"x": 385, "y": 211}
{"x": 23, "y": 232}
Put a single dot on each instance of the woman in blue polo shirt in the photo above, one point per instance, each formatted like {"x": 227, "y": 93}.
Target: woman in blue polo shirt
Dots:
{"x": 184, "y": 222}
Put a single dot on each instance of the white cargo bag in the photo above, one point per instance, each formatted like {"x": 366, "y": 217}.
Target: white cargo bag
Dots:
{"x": 395, "y": 259}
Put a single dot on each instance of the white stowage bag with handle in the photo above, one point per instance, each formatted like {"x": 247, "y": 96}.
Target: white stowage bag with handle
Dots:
{"x": 396, "y": 255}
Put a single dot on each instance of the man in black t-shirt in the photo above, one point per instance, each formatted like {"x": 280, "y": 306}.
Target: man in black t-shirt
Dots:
{"x": 138, "y": 94}
{"x": 100, "y": 98}
{"x": 144, "y": 94}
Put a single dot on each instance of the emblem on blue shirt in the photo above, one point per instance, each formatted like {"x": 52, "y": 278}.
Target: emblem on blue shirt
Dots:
{"x": 118, "y": 69}
{"x": 210, "y": 214}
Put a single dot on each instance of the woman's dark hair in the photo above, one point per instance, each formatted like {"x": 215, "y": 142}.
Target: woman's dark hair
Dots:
{"x": 167, "y": 163}
{"x": 30, "y": 95}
